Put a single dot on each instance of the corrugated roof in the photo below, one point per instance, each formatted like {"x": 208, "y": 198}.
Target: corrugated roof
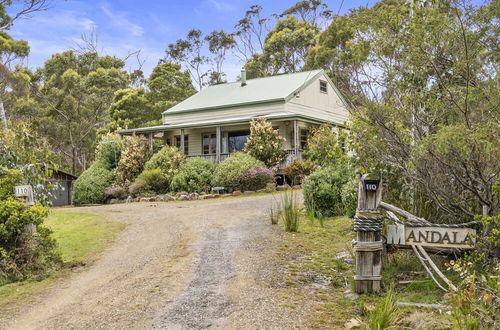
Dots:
{"x": 260, "y": 90}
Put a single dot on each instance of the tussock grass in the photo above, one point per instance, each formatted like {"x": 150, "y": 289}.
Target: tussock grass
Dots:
{"x": 290, "y": 212}
{"x": 385, "y": 313}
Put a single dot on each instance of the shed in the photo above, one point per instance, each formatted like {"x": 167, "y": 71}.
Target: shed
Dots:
{"x": 61, "y": 195}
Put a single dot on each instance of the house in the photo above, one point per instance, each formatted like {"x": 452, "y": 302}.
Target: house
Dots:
{"x": 61, "y": 194}
{"x": 215, "y": 122}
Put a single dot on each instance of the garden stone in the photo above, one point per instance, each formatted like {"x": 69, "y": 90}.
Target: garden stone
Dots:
{"x": 144, "y": 199}
{"x": 113, "y": 201}
{"x": 249, "y": 192}
{"x": 261, "y": 190}
{"x": 283, "y": 188}
{"x": 129, "y": 199}
{"x": 209, "y": 196}
{"x": 168, "y": 198}
{"x": 183, "y": 198}
{"x": 270, "y": 187}
{"x": 180, "y": 193}
{"x": 236, "y": 193}
{"x": 193, "y": 196}
{"x": 351, "y": 295}
{"x": 297, "y": 187}
{"x": 227, "y": 195}
{"x": 216, "y": 196}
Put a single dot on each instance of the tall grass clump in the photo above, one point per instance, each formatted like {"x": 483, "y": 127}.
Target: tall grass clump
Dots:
{"x": 273, "y": 215}
{"x": 290, "y": 212}
{"x": 385, "y": 312}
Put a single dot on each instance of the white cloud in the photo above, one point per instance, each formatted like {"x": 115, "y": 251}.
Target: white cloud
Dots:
{"x": 221, "y": 5}
{"x": 66, "y": 19}
{"x": 119, "y": 19}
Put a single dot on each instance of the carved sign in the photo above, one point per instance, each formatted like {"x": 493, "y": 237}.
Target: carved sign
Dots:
{"x": 462, "y": 238}
{"x": 25, "y": 192}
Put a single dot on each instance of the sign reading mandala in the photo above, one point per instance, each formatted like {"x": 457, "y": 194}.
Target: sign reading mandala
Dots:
{"x": 462, "y": 238}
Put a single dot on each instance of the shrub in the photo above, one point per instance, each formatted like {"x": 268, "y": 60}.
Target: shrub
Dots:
{"x": 298, "y": 170}
{"x": 256, "y": 178}
{"x": 324, "y": 147}
{"x": 139, "y": 187}
{"x": 117, "y": 191}
{"x": 23, "y": 254}
{"x": 8, "y": 179}
{"x": 155, "y": 181}
{"x": 264, "y": 143}
{"x": 90, "y": 186}
{"x": 168, "y": 160}
{"x": 322, "y": 190}
{"x": 132, "y": 159}
{"x": 349, "y": 195}
{"x": 195, "y": 176}
{"x": 229, "y": 172}
{"x": 109, "y": 150}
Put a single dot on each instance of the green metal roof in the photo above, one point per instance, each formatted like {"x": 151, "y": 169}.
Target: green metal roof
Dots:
{"x": 260, "y": 90}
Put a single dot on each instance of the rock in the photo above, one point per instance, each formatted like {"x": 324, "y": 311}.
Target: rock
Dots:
{"x": 180, "y": 193}
{"x": 209, "y": 196}
{"x": 351, "y": 295}
{"x": 183, "y": 198}
{"x": 129, "y": 199}
{"x": 227, "y": 195}
{"x": 167, "y": 198}
{"x": 113, "y": 201}
{"x": 193, "y": 196}
{"x": 346, "y": 257}
{"x": 144, "y": 199}
{"x": 297, "y": 187}
{"x": 261, "y": 190}
{"x": 215, "y": 196}
{"x": 283, "y": 187}
{"x": 236, "y": 193}
{"x": 270, "y": 187}
{"x": 249, "y": 192}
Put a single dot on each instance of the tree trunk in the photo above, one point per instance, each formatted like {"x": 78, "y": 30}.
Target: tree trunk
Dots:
{"x": 3, "y": 116}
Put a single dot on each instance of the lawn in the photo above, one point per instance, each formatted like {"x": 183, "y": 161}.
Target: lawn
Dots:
{"x": 307, "y": 260}
{"x": 80, "y": 236}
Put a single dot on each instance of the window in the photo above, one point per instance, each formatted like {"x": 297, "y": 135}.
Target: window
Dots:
{"x": 304, "y": 134}
{"x": 237, "y": 140}
{"x": 186, "y": 143}
{"x": 323, "y": 87}
{"x": 209, "y": 141}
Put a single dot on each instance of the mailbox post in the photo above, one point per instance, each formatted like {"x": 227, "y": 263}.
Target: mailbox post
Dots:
{"x": 26, "y": 193}
{"x": 368, "y": 245}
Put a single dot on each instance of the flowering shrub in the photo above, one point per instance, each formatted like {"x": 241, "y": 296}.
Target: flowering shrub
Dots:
{"x": 132, "y": 160}
{"x": 90, "y": 186}
{"x": 109, "y": 150}
{"x": 168, "y": 160}
{"x": 264, "y": 143}
{"x": 298, "y": 170}
{"x": 194, "y": 176}
{"x": 256, "y": 178}
{"x": 228, "y": 174}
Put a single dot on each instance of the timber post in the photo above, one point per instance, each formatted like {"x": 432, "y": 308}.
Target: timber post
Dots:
{"x": 368, "y": 245}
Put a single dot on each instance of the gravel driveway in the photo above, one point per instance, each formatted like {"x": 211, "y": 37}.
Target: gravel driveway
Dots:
{"x": 177, "y": 265}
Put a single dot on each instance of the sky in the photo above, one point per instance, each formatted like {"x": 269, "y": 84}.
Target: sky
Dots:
{"x": 124, "y": 26}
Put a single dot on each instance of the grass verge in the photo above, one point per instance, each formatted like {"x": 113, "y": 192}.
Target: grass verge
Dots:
{"x": 317, "y": 281}
{"x": 79, "y": 236}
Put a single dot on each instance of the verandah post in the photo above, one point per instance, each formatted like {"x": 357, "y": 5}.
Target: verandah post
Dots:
{"x": 217, "y": 144}
{"x": 182, "y": 141}
{"x": 368, "y": 244}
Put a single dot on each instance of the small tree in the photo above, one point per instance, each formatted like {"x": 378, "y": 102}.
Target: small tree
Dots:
{"x": 324, "y": 146}
{"x": 132, "y": 160}
{"x": 265, "y": 143}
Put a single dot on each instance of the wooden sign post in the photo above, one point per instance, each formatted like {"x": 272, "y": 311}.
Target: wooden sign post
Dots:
{"x": 368, "y": 245}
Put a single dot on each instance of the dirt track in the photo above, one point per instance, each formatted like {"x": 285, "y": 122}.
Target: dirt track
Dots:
{"x": 177, "y": 265}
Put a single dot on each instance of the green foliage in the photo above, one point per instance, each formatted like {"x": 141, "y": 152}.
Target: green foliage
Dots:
{"x": 133, "y": 157}
{"x": 264, "y": 143}
{"x": 116, "y": 191}
{"x": 168, "y": 85}
{"x": 195, "y": 176}
{"x": 256, "y": 178}
{"x": 22, "y": 149}
{"x": 9, "y": 179}
{"x": 385, "y": 313}
{"x": 139, "y": 187}
{"x": 349, "y": 195}
{"x": 155, "y": 181}
{"x": 109, "y": 150}
{"x": 290, "y": 211}
{"x": 229, "y": 172}
{"x": 23, "y": 254}
{"x": 324, "y": 146}
{"x": 298, "y": 170}
{"x": 131, "y": 108}
{"x": 169, "y": 161}
{"x": 323, "y": 190}
{"x": 90, "y": 186}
